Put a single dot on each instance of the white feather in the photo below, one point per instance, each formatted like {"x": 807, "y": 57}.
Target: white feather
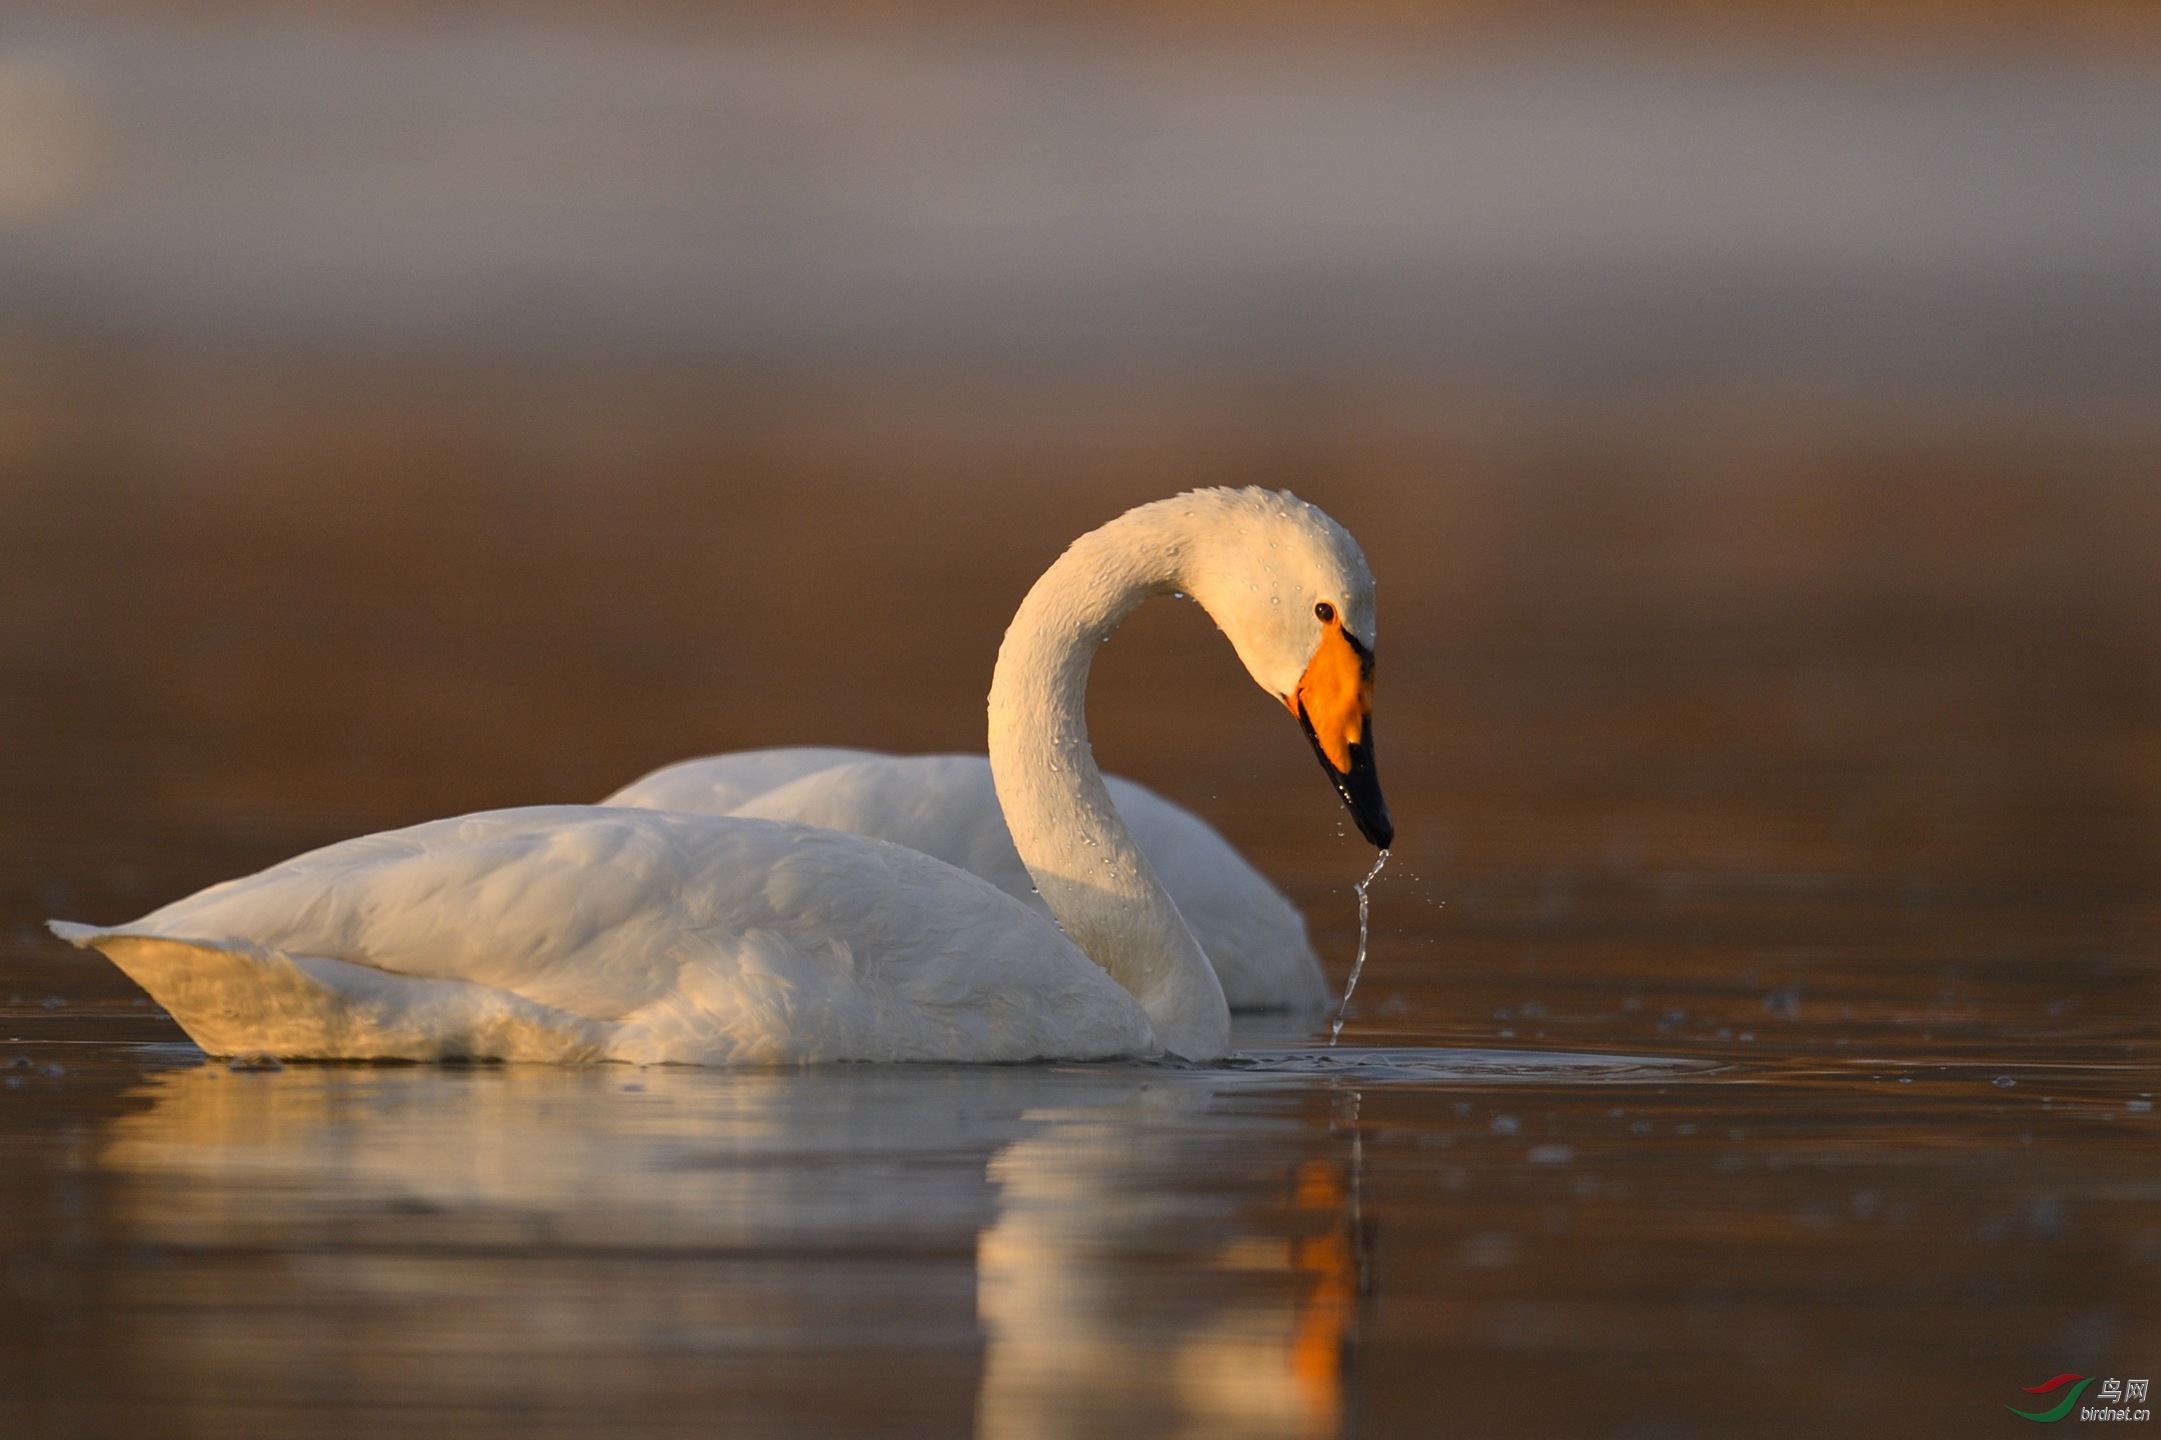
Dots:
{"x": 947, "y": 807}
{"x": 574, "y": 933}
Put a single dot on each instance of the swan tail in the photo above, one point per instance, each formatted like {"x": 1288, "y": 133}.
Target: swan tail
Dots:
{"x": 232, "y": 995}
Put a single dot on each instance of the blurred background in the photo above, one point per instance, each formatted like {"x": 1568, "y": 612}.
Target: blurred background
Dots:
{"x": 1752, "y": 413}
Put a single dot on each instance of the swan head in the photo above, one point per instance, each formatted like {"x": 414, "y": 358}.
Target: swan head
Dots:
{"x": 1290, "y": 589}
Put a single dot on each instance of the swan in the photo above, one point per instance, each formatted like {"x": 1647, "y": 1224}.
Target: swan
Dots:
{"x": 588, "y": 933}
{"x": 947, "y": 806}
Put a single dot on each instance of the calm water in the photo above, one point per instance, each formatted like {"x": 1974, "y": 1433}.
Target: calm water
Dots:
{"x": 1803, "y": 767}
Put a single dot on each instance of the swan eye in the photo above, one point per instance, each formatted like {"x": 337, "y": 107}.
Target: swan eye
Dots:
{"x": 1324, "y": 612}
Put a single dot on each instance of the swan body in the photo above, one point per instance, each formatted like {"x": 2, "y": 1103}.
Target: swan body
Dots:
{"x": 577, "y": 933}
{"x": 585, "y": 933}
{"x": 947, "y": 806}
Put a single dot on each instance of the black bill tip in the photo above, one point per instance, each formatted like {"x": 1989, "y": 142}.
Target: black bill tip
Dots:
{"x": 1360, "y": 786}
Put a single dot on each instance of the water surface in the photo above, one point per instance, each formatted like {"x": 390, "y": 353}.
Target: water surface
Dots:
{"x": 1798, "y": 772}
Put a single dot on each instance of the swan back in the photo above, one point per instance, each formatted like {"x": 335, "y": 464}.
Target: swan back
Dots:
{"x": 717, "y": 784}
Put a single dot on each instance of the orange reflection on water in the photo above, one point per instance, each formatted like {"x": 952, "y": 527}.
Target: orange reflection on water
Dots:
{"x": 1327, "y": 1309}
{"x": 1248, "y": 1342}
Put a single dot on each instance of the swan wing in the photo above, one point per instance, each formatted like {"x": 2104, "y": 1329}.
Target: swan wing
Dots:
{"x": 943, "y": 805}
{"x": 574, "y": 932}
{"x": 946, "y": 806}
{"x": 717, "y": 784}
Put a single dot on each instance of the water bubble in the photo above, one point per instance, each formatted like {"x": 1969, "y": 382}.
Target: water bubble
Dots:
{"x": 2004, "y": 1082}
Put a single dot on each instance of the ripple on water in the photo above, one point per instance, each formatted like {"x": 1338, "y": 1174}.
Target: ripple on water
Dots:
{"x": 1435, "y": 1065}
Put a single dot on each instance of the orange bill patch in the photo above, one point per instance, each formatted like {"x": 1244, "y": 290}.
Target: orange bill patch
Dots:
{"x": 1335, "y": 695}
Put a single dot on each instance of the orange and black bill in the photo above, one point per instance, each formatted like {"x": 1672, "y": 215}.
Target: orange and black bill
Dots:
{"x": 1334, "y": 702}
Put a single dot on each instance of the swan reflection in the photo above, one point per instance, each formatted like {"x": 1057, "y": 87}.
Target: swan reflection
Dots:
{"x": 1115, "y": 1304}
{"x": 1137, "y": 1250}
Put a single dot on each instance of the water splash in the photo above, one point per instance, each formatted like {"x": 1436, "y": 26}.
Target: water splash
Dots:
{"x": 1365, "y": 912}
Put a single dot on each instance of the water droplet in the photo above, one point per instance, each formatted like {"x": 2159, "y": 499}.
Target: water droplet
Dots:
{"x": 2004, "y": 1082}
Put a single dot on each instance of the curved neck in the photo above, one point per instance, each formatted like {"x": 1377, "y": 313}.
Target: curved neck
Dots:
{"x": 1070, "y": 835}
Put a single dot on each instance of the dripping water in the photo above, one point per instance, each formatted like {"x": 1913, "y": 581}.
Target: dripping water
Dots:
{"x": 1365, "y": 912}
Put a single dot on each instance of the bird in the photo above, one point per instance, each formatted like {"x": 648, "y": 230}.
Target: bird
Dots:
{"x": 579, "y": 934}
{"x": 947, "y": 806}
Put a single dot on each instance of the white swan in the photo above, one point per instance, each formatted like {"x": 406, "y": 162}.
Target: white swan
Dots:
{"x": 946, "y": 806}
{"x": 579, "y": 933}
